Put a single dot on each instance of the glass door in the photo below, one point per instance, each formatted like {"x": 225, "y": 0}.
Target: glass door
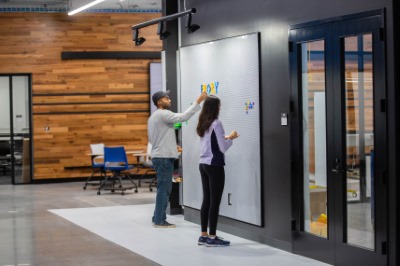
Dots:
{"x": 15, "y": 133}
{"x": 311, "y": 68}
{"x": 359, "y": 132}
{"x": 338, "y": 96}
{"x": 360, "y": 111}
{"x": 5, "y": 130}
{"x": 21, "y": 137}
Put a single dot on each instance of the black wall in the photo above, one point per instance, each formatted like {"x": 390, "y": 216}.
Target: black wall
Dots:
{"x": 226, "y": 18}
{"x": 170, "y": 46}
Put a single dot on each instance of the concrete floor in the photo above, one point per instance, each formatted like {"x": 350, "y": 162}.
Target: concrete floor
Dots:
{"x": 31, "y": 235}
{"x": 33, "y": 232}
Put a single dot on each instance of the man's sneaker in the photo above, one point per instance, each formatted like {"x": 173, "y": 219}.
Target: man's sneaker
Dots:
{"x": 216, "y": 242}
{"x": 202, "y": 240}
{"x": 164, "y": 225}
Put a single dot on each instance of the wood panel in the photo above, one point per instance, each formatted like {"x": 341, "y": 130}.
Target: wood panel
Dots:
{"x": 68, "y": 139}
{"x": 80, "y": 101}
{"x": 93, "y": 98}
{"x": 91, "y": 108}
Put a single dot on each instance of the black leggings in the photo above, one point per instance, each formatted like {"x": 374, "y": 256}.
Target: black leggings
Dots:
{"x": 213, "y": 180}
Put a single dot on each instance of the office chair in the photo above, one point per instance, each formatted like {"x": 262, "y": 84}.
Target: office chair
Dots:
{"x": 97, "y": 158}
{"x": 116, "y": 162}
{"x": 5, "y": 156}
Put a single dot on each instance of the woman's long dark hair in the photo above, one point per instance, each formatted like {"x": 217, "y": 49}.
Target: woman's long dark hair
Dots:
{"x": 209, "y": 113}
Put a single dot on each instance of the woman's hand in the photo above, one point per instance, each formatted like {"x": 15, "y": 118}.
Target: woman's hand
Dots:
{"x": 233, "y": 135}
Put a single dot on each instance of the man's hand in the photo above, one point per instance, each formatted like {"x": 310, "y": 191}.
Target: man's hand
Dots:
{"x": 202, "y": 97}
{"x": 179, "y": 148}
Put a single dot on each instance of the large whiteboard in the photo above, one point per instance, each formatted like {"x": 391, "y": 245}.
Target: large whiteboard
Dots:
{"x": 228, "y": 68}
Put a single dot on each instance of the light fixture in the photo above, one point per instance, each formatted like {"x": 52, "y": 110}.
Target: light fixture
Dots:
{"x": 191, "y": 27}
{"x": 160, "y": 31}
{"x": 73, "y": 12}
{"x": 138, "y": 40}
{"x": 164, "y": 34}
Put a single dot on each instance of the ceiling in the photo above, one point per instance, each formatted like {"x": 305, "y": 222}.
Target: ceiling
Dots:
{"x": 107, "y": 5}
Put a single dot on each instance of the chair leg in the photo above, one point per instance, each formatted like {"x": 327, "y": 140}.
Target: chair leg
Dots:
{"x": 116, "y": 177}
{"x": 103, "y": 183}
{"x": 87, "y": 180}
{"x": 130, "y": 179}
{"x": 119, "y": 180}
{"x": 153, "y": 183}
{"x": 145, "y": 174}
{"x": 102, "y": 174}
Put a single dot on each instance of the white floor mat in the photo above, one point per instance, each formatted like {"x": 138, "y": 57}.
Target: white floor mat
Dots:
{"x": 131, "y": 228}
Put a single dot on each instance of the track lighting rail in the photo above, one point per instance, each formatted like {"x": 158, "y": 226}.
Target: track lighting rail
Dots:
{"x": 161, "y": 21}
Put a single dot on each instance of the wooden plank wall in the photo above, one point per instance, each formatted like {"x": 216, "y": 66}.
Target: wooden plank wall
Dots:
{"x": 79, "y": 101}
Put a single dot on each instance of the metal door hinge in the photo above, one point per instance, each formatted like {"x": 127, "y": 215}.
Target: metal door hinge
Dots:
{"x": 290, "y": 47}
{"x": 293, "y": 225}
{"x": 291, "y": 106}
{"x": 382, "y": 36}
{"x": 384, "y": 177}
{"x": 383, "y": 105}
{"x": 384, "y": 248}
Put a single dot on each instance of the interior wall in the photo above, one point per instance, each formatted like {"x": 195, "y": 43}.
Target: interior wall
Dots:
{"x": 393, "y": 137}
{"x": 227, "y": 18}
{"x": 78, "y": 102}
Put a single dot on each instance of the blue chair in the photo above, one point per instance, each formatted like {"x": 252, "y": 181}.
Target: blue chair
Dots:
{"x": 116, "y": 162}
{"x": 97, "y": 158}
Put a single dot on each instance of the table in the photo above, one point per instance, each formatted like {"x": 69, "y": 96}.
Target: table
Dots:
{"x": 138, "y": 155}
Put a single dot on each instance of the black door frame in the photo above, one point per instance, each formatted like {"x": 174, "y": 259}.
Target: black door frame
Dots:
{"x": 349, "y": 254}
{"x": 314, "y": 247}
{"x": 333, "y": 250}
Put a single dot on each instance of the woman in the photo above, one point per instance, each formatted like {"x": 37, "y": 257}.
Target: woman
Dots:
{"x": 214, "y": 144}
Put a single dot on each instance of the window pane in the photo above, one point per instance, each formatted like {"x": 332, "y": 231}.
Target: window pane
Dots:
{"x": 314, "y": 138}
{"x": 359, "y": 140}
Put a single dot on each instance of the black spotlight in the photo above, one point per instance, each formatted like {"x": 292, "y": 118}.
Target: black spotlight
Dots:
{"x": 160, "y": 31}
{"x": 191, "y": 27}
{"x": 138, "y": 40}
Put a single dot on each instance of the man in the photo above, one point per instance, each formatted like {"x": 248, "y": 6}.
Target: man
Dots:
{"x": 164, "y": 152}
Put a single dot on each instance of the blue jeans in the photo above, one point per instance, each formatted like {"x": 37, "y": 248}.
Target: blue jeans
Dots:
{"x": 164, "y": 169}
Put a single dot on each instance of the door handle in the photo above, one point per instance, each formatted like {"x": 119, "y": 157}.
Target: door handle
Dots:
{"x": 338, "y": 169}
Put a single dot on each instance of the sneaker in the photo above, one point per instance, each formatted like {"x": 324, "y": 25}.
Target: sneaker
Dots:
{"x": 216, "y": 242}
{"x": 164, "y": 225}
{"x": 202, "y": 240}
